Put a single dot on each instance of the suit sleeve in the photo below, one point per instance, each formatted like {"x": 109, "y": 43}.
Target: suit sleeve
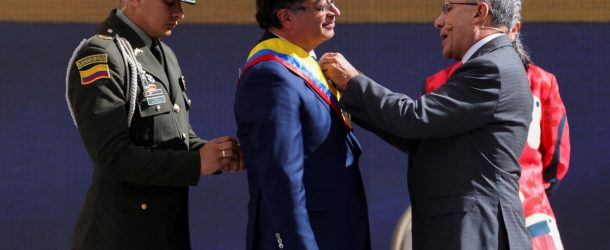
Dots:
{"x": 465, "y": 102}
{"x": 101, "y": 115}
{"x": 402, "y": 144}
{"x": 555, "y": 141}
{"x": 268, "y": 117}
{"x": 196, "y": 143}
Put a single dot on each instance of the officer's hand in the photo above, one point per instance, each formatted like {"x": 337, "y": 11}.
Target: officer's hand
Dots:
{"x": 238, "y": 161}
{"x": 220, "y": 154}
{"x": 337, "y": 69}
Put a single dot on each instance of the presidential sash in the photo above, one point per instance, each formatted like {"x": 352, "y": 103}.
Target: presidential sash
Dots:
{"x": 302, "y": 64}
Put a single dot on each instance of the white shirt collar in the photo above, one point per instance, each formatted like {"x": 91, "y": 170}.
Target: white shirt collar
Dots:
{"x": 478, "y": 45}
{"x": 311, "y": 53}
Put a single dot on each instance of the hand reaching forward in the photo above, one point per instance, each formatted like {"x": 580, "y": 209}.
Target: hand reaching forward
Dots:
{"x": 337, "y": 69}
{"x": 221, "y": 153}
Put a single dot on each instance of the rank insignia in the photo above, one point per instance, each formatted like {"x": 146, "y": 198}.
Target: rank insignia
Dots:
{"x": 92, "y": 59}
{"x": 104, "y": 37}
{"x": 94, "y": 73}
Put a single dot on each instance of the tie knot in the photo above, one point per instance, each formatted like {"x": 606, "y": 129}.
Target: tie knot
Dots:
{"x": 155, "y": 48}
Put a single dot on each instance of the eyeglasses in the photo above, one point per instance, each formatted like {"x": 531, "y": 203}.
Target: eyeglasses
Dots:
{"x": 322, "y": 8}
{"x": 446, "y": 6}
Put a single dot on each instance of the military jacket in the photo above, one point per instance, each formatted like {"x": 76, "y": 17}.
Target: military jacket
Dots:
{"x": 144, "y": 159}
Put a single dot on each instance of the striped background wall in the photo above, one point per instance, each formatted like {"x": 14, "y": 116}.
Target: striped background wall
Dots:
{"x": 354, "y": 11}
{"x": 45, "y": 171}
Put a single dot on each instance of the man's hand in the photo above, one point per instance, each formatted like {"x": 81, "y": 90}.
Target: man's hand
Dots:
{"x": 337, "y": 69}
{"x": 221, "y": 153}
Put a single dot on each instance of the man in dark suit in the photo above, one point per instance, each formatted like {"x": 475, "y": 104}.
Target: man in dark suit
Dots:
{"x": 464, "y": 139}
{"x": 126, "y": 94}
{"x": 306, "y": 191}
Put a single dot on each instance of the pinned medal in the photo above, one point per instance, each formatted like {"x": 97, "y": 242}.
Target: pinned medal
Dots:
{"x": 150, "y": 78}
{"x": 152, "y": 90}
{"x": 150, "y": 87}
{"x": 347, "y": 118}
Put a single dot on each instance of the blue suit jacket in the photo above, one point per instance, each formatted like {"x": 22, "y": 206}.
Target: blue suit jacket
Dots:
{"x": 305, "y": 187}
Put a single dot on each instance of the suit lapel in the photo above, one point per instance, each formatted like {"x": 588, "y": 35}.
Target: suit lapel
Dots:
{"x": 173, "y": 73}
{"x": 152, "y": 66}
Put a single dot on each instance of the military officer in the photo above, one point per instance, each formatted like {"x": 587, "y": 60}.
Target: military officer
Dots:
{"x": 126, "y": 94}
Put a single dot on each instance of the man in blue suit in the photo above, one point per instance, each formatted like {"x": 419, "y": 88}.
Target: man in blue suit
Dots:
{"x": 305, "y": 186}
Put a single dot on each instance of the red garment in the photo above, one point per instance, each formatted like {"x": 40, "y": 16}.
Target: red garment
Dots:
{"x": 545, "y": 158}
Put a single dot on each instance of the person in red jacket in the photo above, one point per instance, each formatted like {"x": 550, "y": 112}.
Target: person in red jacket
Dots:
{"x": 546, "y": 156}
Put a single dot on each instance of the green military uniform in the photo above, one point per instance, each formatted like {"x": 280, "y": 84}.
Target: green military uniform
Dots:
{"x": 141, "y": 143}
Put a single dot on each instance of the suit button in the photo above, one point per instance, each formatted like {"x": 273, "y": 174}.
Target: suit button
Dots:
{"x": 143, "y": 206}
{"x": 176, "y": 108}
{"x": 158, "y": 107}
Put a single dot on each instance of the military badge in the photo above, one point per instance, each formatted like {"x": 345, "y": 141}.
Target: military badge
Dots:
{"x": 150, "y": 78}
{"x": 104, "y": 37}
{"x": 94, "y": 73}
{"x": 92, "y": 59}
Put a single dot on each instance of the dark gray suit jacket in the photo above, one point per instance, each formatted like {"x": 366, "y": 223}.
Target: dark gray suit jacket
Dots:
{"x": 464, "y": 141}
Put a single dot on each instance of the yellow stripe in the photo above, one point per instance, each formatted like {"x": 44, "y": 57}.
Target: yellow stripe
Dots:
{"x": 286, "y": 47}
{"x": 353, "y": 11}
{"x": 94, "y": 69}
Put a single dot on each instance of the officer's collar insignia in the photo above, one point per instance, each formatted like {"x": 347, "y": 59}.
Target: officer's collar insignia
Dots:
{"x": 104, "y": 37}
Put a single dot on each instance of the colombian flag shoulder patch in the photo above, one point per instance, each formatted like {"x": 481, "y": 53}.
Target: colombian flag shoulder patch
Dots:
{"x": 94, "y": 73}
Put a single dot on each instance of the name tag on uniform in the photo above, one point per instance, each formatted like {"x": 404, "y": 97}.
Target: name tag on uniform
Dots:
{"x": 154, "y": 100}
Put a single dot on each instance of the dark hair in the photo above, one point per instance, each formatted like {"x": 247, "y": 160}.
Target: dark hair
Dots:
{"x": 266, "y": 12}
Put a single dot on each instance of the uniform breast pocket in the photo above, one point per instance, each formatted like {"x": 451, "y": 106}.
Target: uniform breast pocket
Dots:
{"x": 147, "y": 110}
{"x": 156, "y": 124}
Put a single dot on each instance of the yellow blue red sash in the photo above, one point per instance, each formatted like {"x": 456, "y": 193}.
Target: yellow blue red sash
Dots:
{"x": 302, "y": 64}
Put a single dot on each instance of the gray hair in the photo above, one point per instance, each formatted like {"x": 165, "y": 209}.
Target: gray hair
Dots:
{"x": 517, "y": 43}
{"x": 502, "y": 12}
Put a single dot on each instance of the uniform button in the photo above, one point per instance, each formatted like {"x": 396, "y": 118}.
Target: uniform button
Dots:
{"x": 183, "y": 136}
{"x": 176, "y": 108}
{"x": 143, "y": 206}
{"x": 158, "y": 107}
{"x": 110, "y": 30}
